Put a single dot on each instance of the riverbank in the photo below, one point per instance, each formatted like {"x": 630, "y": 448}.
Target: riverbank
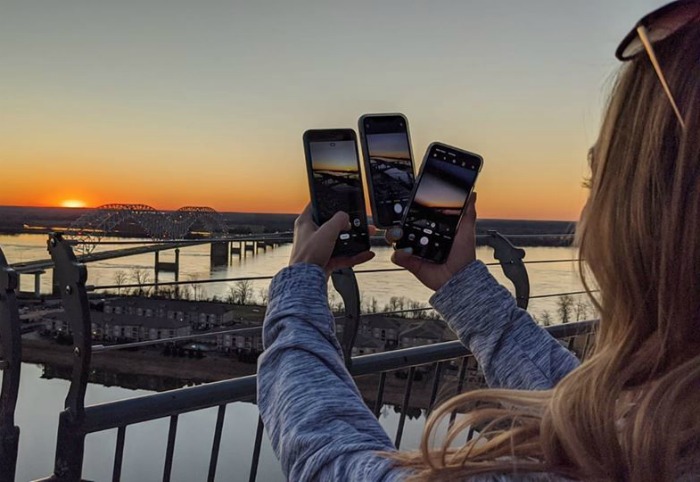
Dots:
{"x": 142, "y": 363}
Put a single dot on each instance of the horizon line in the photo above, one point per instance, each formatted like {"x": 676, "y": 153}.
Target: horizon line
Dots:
{"x": 86, "y": 208}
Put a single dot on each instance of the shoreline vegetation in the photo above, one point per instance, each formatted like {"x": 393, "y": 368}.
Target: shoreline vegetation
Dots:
{"x": 148, "y": 370}
{"x": 158, "y": 368}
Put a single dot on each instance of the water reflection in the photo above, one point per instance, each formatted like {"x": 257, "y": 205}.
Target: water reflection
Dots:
{"x": 130, "y": 381}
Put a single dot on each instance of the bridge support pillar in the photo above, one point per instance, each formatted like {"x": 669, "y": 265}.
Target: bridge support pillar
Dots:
{"x": 236, "y": 249}
{"x": 219, "y": 253}
{"x": 37, "y": 283}
{"x": 156, "y": 270}
{"x": 166, "y": 267}
{"x": 248, "y": 247}
{"x": 177, "y": 264}
{"x": 177, "y": 272}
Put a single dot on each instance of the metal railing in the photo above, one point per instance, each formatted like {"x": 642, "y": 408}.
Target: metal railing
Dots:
{"x": 77, "y": 421}
{"x": 10, "y": 342}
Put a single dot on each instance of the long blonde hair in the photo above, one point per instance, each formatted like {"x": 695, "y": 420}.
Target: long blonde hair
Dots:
{"x": 632, "y": 410}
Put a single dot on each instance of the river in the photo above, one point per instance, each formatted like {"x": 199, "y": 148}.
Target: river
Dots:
{"x": 41, "y": 399}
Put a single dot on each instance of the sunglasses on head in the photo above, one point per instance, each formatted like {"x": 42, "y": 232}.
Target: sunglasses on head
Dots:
{"x": 655, "y": 27}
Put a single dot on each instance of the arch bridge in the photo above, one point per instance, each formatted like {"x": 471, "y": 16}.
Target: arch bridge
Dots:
{"x": 144, "y": 219}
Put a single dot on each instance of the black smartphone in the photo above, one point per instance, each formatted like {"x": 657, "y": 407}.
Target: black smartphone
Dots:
{"x": 336, "y": 185}
{"x": 445, "y": 182}
{"x": 386, "y": 148}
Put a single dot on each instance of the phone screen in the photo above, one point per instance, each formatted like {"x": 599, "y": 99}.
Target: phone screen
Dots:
{"x": 337, "y": 186}
{"x": 445, "y": 184}
{"x": 388, "y": 155}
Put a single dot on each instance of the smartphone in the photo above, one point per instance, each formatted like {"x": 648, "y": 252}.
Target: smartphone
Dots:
{"x": 386, "y": 148}
{"x": 445, "y": 182}
{"x": 335, "y": 182}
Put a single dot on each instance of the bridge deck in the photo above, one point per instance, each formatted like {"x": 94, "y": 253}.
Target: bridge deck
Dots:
{"x": 33, "y": 266}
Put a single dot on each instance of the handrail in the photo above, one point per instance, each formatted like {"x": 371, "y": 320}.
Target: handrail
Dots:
{"x": 182, "y": 400}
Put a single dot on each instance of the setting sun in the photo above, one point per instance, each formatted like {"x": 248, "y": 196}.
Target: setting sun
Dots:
{"x": 72, "y": 203}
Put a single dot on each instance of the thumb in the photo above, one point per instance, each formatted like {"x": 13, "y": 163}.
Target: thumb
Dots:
{"x": 407, "y": 261}
{"x": 330, "y": 230}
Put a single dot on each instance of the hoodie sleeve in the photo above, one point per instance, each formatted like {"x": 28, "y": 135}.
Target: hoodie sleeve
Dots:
{"x": 318, "y": 423}
{"x": 512, "y": 350}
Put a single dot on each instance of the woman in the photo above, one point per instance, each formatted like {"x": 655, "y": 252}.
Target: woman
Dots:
{"x": 630, "y": 412}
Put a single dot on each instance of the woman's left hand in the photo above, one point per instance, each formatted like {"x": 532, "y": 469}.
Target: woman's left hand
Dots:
{"x": 314, "y": 244}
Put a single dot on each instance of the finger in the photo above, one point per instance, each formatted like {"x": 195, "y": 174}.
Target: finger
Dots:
{"x": 361, "y": 258}
{"x": 467, "y": 224}
{"x": 308, "y": 211}
{"x": 407, "y": 260}
{"x": 306, "y": 215}
{"x": 372, "y": 229}
{"x": 393, "y": 234}
{"x": 471, "y": 206}
{"x": 305, "y": 220}
{"x": 349, "y": 262}
{"x": 330, "y": 230}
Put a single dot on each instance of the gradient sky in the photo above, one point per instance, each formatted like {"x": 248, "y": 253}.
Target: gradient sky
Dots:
{"x": 172, "y": 102}
{"x": 389, "y": 145}
{"x": 341, "y": 156}
{"x": 444, "y": 185}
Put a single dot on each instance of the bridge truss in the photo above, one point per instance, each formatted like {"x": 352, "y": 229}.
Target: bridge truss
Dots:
{"x": 90, "y": 228}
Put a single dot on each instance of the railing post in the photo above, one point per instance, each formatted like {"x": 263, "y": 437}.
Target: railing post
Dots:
{"x": 10, "y": 339}
{"x": 72, "y": 275}
{"x": 345, "y": 283}
{"x": 511, "y": 259}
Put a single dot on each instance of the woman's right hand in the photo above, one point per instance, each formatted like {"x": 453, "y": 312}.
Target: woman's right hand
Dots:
{"x": 463, "y": 253}
{"x": 314, "y": 244}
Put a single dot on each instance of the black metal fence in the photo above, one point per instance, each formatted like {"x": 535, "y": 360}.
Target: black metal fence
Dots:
{"x": 449, "y": 364}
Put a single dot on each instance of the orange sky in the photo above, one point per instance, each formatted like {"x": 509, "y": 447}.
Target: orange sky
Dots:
{"x": 262, "y": 181}
{"x": 196, "y": 108}
{"x": 530, "y": 177}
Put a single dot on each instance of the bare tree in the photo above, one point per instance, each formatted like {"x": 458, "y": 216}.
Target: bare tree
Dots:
{"x": 240, "y": 293}
{"x": 581, "y": 310}
{"x": 264, "y": 296}
{"x": 396, "y": 303}
{"x": 370, "y": 305}
{"x": 197, "y": 290}
{"x": 545, "y": 318}
{"x": 335, "y": 303}
{"x": 141, "y": 276}
{"x": 231, "y": 295}
{"x": 414, "y": 305}
{"x": 565, "y": 305}
{"x": 167, "y": 292}
{"x": 120, "y": 279}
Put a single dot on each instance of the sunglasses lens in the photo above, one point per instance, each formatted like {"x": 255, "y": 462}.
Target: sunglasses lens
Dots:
{"x": 663, "y": 26}
{"x": 632, "y": 49}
